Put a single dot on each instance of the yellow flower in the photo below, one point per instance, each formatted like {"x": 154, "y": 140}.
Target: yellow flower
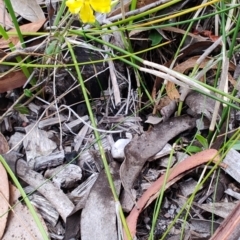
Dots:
{"x": 85, "y": 8}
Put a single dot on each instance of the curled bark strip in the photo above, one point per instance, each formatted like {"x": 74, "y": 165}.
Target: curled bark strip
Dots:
{"x": 189, "y": 163}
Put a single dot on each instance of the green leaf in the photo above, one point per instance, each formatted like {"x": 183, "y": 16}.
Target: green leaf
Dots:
{"x": 28, "y": 93}
{"x": 193, "y": 149}
{"x": 51, "y": 48}
{"x": 22, "y": 109}
{"x": 202, "y": 140}
{"x": 236, "y": 146}
{"x": 155, "y": 37}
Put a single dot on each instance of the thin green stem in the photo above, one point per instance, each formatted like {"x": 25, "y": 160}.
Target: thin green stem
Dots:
{"x": 25, "y": 198}
{"x": 234, "y": 38}
{"x": 98, "y": 138}
{"x": 15, "y": 22}
{"x": 160, "y": 197}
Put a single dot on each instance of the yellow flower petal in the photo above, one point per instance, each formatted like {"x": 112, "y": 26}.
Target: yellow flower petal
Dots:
{"x": 86, "y": 13}
{"x": 74, "y": 6}
{"x": 102, "y": 6}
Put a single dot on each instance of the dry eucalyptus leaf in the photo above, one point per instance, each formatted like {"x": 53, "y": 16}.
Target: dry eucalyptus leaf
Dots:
{"x": 26, "y": 28}
{"x": 3, "y": 144}
{"x": 4, "y": 188}
{"x": 21, "y": 224}
{"x": 200, "y": 104}
{"x": 143, "y": 147}
{"x": 28, "y": 9}
{"x": 99, "y": 215}
{"x": 12, "y": 80}
{"x": 4, "y": 199}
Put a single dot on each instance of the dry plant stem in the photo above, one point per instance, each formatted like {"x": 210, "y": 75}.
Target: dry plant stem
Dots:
{"x": 90, "y": 126}
{"x": 230, "y": 17}
{"x": 189, "y": 163}
{"x": 56, "y": 102}
{"x": 167, "y": 77}
{"x": 186, "y": 80}
{"x": 115, "y": 86}
{"x": 199, "y": 61}
{"x": 53, "y": 194}
{"x": 137, "y": 11}
{"x": 186, "y": 91}
{"x": 129, "y": 91}
{"x": 208, "y": 51}
{"x": 112, "y": 71}
{"x": 222, "y": 84}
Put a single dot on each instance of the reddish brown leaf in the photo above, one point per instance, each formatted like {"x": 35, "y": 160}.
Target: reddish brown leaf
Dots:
{"x": 26, "y": 28}
{"x": 148, "y": 196}
{"x": 12, "y": 80}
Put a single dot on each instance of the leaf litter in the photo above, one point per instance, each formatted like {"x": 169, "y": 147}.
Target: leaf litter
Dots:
{"x": 54, "y": 150}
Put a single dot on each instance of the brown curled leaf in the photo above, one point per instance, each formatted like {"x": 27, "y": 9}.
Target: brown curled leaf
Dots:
{"x": 187, "y": 164}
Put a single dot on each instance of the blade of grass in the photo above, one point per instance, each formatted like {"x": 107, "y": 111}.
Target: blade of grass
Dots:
{"x": 15, "y": 22}
{"x": 160, "y": 197}
{"x": 98, "y": 138}
{"x": 12, "y": 47}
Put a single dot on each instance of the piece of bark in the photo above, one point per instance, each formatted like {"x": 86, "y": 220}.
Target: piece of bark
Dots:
{"x": 53, "y": 194}
{"x": 37, "y": 143}
{"x": 80, "y": 193}
{"x": 47, "y": 211}
{"x": 65, "y": 176}
{"x": 141, "y": 148}
{"x": 221, "y": 209}
{"x": 44, "y": 162}
{"x": 232, "y": 164}
{"x": 230, "y": 227}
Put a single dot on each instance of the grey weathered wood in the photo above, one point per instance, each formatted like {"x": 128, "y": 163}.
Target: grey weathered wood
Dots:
{"x": 65, "y": 176}
{"x": 48, "y": 212}
{"x": 44, "y": 162}
{"x": 80, "y": 193}
{"x": 51, "y": 121}
{"x": 232, "y": 164}
{"x": 53, "y": 194}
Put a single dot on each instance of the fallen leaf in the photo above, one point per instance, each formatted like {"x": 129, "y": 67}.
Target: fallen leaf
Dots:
{"x": 151, "y": 193}
{"x": 98, "y": 219}
{"x": 4, "y": 188}
{"x": 143, "y": 147}
{"x": 28, "y": 9}
{"x": 201, "y": 105}
{"x": 12, "y": 80}
{"x": 26, "y": 28}
{"x": 3, "y": 144}
{"x": 21, "y": 224}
